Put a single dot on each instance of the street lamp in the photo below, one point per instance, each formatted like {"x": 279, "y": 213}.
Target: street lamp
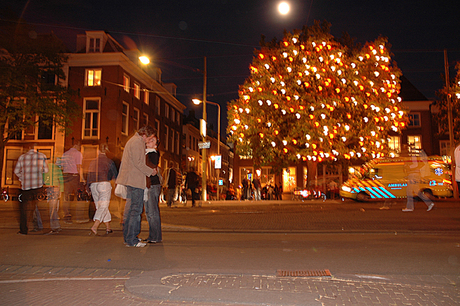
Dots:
{"x": 198, "y": 102}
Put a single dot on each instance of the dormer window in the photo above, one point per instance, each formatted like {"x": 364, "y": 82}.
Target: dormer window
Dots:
{"x": 94, "y": 45}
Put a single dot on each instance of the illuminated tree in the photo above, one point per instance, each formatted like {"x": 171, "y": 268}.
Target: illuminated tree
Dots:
{"x": 310, "y": 98}
{"x": 442, "y": 115}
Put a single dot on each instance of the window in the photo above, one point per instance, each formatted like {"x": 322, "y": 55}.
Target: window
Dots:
{"x": 172, "y": 141}
{"x": 126, "y": 83}
{"x": 414, "y": 120}
{"x": 136, "y": 118}
{"x": 91, "y": 118}
{"x": 177, "y": 142}
{"x": 146, "y": 97}
{"x": 157, "y": 104}
{"x": 178, "y": 117}
{"x": 444, "y": 147}
{"x": 145, "y": 119}
{"x": 166, "y": 110}
{"x": 394, "y": 143}
{"x": 414, "y": 142}
{"x": 166, "y": 137}
{"x": 45, "y": 128}
{"x": 93, "y": 77}
{"x": 94, "y": 45}
{"x": 48, "y": 80}
{"x": 157, "y": 127}
{"x": 137, "y": 90}
{"x": 124, "y": 118}
{"x": 11, "y": 158}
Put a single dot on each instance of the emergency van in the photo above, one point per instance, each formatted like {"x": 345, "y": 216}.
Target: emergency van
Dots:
{"x": 387, "y": 178}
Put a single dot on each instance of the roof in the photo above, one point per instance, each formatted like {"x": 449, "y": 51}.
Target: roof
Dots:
{"x": 409, "y": 92}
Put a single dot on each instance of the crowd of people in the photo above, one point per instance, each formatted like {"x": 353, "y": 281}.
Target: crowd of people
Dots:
{"x": 253, "y": 190}
{"x": 138, "y": 174}
{"x": 140, "y": 180}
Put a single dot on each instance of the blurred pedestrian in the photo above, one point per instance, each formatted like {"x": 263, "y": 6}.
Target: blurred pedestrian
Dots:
{"x": 29, "y": 169}
{"x": 416, "y": 168}
{"x": 257, "y": 187}
{"x": 54, "y": 182}
{"x": 70, "y": 163}
{"x": 171, "y": 183}
{"x": 244, "y": 194}
{"x": 152, "y": 209}
{"x": 457, "y": 165}
{"x": 133, "y": 173}
{"x": 100, "y": 172}
{"x": 192, "y": 182}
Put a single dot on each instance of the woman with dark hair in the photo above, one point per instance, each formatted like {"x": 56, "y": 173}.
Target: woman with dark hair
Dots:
{"x": 152, "y": 209}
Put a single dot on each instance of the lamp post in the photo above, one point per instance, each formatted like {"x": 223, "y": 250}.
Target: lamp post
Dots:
{"x": 197, "y": 102}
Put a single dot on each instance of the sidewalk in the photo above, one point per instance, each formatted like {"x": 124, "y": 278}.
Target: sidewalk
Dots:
{"x": 27, "y": 285}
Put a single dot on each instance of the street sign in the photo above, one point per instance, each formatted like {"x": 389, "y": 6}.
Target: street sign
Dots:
{"x": 218, "y": 162}
{"x": 204, "y": 145}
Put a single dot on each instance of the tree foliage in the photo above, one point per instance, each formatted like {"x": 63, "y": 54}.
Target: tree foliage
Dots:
{"x": 442, "y": 116}
{"x": 32, "y": 87}
{"x": 311, "y": 98}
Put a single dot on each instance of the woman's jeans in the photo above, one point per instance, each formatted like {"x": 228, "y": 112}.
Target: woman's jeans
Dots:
{"x": 153, "y": 213}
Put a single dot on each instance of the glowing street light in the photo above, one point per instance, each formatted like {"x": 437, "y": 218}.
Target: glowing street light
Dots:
{"x": 283, "y": 8}
{"x": 144, "y": 60}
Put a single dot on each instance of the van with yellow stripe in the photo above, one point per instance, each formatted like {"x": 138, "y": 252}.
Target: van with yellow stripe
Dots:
{"x": 386, "y": 178}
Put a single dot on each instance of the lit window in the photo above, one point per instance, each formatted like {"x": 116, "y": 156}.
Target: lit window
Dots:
{"x": 91, "y": 118}
{"x": 137, "y": 90}
{"x": 146, "y": 97}
{"x": 93, "y": 77}
{"x": 394, "y": 143}
{"x": 414, "y": 142}
{"x": 126, "y": 83}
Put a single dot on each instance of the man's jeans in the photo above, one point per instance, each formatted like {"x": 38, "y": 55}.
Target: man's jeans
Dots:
{"x": 153, "y": 213}
{"x": 132, "y": 226}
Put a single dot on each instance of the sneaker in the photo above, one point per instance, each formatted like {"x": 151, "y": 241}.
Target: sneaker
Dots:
{"x": 138, "y": 245}
{"x": 430, "y": 207}
{"x": 407, "y": 209}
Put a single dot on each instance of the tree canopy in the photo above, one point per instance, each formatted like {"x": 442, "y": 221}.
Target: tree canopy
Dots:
{"x": 311, "y": 98}
{"x": 442, "y": 115}
{"x": 32, "y": 87}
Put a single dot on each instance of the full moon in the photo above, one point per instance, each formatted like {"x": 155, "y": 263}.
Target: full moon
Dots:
{"x": 283, "y": 8}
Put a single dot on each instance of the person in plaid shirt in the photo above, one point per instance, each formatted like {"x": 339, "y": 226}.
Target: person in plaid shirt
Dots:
{"x": 29, "y": 169}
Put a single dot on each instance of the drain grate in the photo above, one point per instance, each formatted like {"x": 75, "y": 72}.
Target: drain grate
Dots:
{"x": 303, "y": 273}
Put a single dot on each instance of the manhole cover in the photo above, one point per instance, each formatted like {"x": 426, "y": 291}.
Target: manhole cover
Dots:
{"x": 303, "y": 273}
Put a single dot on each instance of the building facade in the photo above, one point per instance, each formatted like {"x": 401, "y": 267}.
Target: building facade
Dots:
{"x": 117, "y": 96}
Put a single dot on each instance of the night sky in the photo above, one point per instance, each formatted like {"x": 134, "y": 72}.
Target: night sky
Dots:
{"x": 178, "y": 34}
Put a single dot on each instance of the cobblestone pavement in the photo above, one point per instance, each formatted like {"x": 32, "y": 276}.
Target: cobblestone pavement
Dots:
{"x": 40, "y": 285}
